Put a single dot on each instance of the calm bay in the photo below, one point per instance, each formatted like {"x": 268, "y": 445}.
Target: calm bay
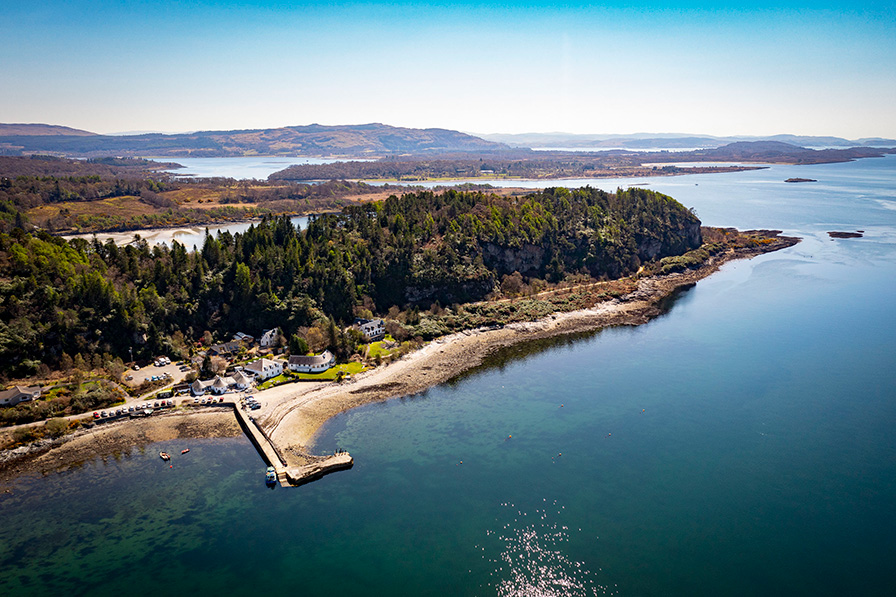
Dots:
{"x": 741, "y": 444}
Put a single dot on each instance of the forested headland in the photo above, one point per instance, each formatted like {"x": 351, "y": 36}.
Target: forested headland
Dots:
{"x": 62, "y": 301}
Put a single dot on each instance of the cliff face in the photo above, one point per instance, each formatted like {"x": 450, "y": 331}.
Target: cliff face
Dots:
{"x": 673, "y": 241}
{"x": 615, "y": 250}
{"x": 525, "y": 259}
{"x": 458, "y": 246}
{"x": 457, "y": 285}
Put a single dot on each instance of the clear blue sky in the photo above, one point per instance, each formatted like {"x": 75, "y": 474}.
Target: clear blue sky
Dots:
{"x": 825, "y": 68}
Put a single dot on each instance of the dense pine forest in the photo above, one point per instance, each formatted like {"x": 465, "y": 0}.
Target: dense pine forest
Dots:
{"x": 62, "y": 300}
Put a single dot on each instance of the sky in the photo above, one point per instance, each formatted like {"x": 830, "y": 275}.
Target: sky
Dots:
{"x": 751, "y": 68}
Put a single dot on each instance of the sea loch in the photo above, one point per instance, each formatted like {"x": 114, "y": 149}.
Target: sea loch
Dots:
{"x": 741, "y": 444}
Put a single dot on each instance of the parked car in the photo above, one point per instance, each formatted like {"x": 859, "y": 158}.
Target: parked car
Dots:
{"x": 96, "y": 415}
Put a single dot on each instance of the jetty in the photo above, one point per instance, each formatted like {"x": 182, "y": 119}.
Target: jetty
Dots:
{"x": 287, "y": 476}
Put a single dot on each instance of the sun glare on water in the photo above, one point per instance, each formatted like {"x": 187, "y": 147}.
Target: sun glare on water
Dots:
{"x": 531, "y": 561}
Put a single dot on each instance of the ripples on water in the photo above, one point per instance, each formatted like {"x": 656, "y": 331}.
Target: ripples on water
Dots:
{"x": 531, "y": 561}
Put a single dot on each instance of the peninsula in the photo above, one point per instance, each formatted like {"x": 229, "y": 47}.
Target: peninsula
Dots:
{"x": 453, "y": 276}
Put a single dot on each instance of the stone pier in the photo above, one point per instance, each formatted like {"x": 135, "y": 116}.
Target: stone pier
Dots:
{"x": 286, "y": 475}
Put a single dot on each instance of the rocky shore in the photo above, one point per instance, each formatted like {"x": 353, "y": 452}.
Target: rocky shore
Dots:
{"x": 294, "y": 420}
{"x": 114, "y": 438}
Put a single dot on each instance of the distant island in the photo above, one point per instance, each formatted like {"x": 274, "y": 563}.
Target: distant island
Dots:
{"x": 560, "y": 164}
{"x": 677, "y": 141}
{"x": 800, "y": 180}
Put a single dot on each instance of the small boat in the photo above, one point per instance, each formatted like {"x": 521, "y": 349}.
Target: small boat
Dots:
{"x": 164, "y": 456}
{"x": 270, "y": 476}
{"x": 185, "y": 451}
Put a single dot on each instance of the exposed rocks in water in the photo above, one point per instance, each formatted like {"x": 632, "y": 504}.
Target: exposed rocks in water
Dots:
{"x": 800, "y": 180}
{"x": 836, "y": 234}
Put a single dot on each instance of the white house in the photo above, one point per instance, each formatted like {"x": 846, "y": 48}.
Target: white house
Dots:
{"x": 220, "y": 385}
{"x": 312, "y": 364}
{"x": 264, "y": 369}
{"x": 198, "y": 388}
{"x": 268, "y": 338}
{"x": 17, "y": 394}
{"x": 374, "y": 329}
{"x": 240, "y": 381}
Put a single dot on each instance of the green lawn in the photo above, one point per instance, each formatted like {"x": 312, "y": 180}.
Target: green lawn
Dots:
{"x": 331, "y": 373}
{"x": 376, "y": 348}
{"x": 328, "y": 375}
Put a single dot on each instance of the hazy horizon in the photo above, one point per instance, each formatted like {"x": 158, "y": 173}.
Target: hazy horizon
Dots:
{"x": 749, "y": 69}
{"x": 583, "y": 135}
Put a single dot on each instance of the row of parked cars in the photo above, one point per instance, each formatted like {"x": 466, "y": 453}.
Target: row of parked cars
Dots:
{"x": 133, "y": 409}
{"x": 162, "y": 361}
{"x": 252, "y": 403}
{"x": 161, "y": 377}
{"x": 208, "y": 400}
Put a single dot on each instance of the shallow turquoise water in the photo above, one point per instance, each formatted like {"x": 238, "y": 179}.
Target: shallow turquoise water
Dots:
{"x": 741, "y": 444}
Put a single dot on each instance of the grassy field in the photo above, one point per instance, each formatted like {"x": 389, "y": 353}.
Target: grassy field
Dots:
{"x": 375, "y": 349}
{"x": 328, "y": 375}
{"x": 127, "y": 207}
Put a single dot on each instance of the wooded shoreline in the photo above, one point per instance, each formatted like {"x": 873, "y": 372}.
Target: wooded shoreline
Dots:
{"x": 295, "y": 415}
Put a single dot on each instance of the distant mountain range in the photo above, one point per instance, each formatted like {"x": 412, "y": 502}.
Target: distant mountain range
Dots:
{"x": 361, "y": 141}
{"x": 366, "y": 140}
{"x": 41, "y": 130}
{"x": 652, "y": 141}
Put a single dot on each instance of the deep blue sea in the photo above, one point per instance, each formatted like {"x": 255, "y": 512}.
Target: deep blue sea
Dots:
{"x": 741, "y": 444}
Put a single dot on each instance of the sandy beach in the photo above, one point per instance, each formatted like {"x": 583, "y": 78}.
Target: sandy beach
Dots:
{"x": 293, "y": 417}
{"x": 293, "y": 414}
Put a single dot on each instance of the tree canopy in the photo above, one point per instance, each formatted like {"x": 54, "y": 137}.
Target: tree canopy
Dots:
{"x": 61, "y": 298}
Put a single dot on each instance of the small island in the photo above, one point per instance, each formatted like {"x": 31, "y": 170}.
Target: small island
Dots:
{"x": 800, "y": 180}
{"x": 836, "y": 234}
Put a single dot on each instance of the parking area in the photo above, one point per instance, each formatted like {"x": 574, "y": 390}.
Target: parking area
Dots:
{"x": 167, "y": 370}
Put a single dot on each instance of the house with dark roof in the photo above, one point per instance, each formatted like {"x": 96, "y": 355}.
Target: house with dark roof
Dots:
{"x": 373, "y": 329}
{"x": 244, "y": 338}
{"x": 317, "y": 363}
{"x": 224, "y": 349}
